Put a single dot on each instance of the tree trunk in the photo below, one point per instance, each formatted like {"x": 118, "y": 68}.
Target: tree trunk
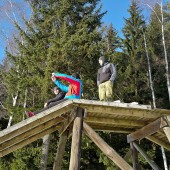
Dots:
{"x": 45, "y": 148}
{"x": 165, "y": 53}
{"x": 150, "y": 73}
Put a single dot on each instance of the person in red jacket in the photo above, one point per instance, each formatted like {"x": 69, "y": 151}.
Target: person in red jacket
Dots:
{"x": 74, "y": 89}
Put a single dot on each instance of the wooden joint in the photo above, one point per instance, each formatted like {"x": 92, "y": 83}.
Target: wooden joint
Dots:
{"x": 69, "y": 120}
{"x": 148, "y": 130}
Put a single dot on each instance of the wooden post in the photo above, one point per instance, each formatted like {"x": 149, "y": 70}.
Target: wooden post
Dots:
{"x": 143, "y": 153}
{"x": 76, "y": 141}
{"x": 134, "y": 157}
{"x": 60, "y": 152}
{"x": 107, "y": 150}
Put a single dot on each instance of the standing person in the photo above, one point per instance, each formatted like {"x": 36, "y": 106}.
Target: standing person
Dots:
{"x": 74, "y": 89}
{"x": 105, "y": 79}
{"x": 59, "y": 96}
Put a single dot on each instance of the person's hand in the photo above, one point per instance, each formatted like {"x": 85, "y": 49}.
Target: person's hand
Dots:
{"x": 45, "y": 105}
{"x": 53, "y": 78}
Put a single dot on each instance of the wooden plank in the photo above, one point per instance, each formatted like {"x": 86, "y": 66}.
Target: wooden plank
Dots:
{"x": 159, "y": 142}
{"x": 60, "y": 152}
{"x": 147, "y": 114}
{"x": 34, "y": 121}
{"x": 76, "y": 141}
{"x": 147, "y": 130}
{"x": 31, "y": 132}
{"x": 134, "y": 157}
{"x": 113, "y": 121}
{"x": 112, "y": 104}
{"x": 28, "y": 141}
{"x": 111, "y": 129}
{"x": 126, "y": 157}
{"x": 110, "y": 152}
{"x": 147, "y": 158}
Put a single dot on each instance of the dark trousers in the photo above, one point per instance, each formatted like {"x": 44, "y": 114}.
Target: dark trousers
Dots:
{"x": 50, "y": 105}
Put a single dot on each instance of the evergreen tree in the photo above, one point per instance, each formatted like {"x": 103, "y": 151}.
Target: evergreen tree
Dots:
{"x": 62, "y": 36}
{"x": 135, "y": 80}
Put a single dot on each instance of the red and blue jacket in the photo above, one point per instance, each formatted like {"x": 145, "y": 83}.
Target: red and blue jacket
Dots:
{"x": 74, "y": 90}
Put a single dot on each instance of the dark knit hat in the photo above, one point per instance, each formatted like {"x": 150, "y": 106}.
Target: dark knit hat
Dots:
{"x": 76, "y": 75}
{"x": 102, "y": 58}
{"x": 57, "y": 88}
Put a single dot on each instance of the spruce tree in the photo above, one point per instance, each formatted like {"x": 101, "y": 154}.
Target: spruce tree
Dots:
{"x": 61, "y": 36}
{"x": 135, "y": 81}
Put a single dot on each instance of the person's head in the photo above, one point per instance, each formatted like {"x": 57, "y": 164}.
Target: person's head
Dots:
{"x": 56, "y": 90}
{"x": 76, "y": 75}
{"x": 101, "y": 60}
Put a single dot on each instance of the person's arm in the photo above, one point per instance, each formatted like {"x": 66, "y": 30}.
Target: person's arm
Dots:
{"x": 71, "y": 80}
{"x": 113, "y": 72}
{"x": 67, "y": 78}
{"x": 59, "y": 96}
{"x": 59, "y": 84}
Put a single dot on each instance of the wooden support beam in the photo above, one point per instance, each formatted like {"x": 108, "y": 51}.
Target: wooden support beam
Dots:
{"x": 76, "y": 141}
{"x": 60, "y": 151}
{"x": 27, "y": 141}
{"x": 167, "y": 132}
{"x": 159, "y": 142}
{"x": 123, "y": 112}
{"x": 126, "y": 157}
{"x": 111, "y": 129}
{"x": 147, "y": 130}
{"x": 29, "y": 133}
{"x": 68, "y": 121}
{"x": 134, "y": 157}
{"x": 147, "y": 158}
{"x": 113, "y": 121}
{"x": 107, "y": 150}
{"x": 167, "y": 129}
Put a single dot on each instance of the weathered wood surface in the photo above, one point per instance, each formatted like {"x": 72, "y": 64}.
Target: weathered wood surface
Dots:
{"x": 28, "y": 141}
{"x": 68, "y": 121}
{"x": 102, "y": 116}
{"x": 167, "y": 129}
{"x": 34, "y": 121}
{"x": 147, "y": 130}
{"x": 107, "y": 150}
{"x": 135, "y": 160}
{"x": 30, "y": 132}
{"x": 159, "y": 142}
{"x": 76, "y": 141}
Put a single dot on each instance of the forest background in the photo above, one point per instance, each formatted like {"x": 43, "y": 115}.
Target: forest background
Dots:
{"x": 69, "y": 36}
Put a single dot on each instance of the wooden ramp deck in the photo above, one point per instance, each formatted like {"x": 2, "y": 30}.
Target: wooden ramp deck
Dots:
{"x": 137, "y": 121}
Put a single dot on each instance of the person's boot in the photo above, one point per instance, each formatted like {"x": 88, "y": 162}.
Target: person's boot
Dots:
{"x": 30, "y": 114}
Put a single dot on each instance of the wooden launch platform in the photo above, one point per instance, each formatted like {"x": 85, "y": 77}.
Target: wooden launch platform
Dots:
{"x": 73, "y": 116}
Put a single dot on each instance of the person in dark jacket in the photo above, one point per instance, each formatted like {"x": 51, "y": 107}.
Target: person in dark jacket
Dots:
{"x": 105, "y": 79}
{"x": 52, "y": 102}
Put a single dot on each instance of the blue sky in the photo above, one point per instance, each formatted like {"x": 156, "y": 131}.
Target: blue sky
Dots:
{"x": 117, "y": 10}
